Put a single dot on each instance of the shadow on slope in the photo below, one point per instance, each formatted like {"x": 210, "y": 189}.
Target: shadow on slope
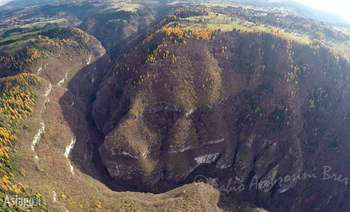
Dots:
{"x": 76, "y": 105}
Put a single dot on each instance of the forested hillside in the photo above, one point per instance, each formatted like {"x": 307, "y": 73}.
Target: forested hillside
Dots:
{"x": 180, "y": 102}
{"x": 16, "y": 104}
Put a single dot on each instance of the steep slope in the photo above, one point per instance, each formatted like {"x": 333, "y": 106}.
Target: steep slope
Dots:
{"x": 16, "y": 105}
{"x": 50, "y": 53}
{"x": 248, "y": 109}
{"x": 24, "y": 100}
{"x": 115, "y": 28}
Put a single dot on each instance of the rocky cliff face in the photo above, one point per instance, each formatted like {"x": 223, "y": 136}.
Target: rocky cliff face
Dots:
{"x": 248, "y": 109}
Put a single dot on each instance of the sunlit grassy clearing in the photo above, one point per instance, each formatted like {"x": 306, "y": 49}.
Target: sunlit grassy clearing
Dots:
{"x": 18, "y": 36}
{"x": 174, "y": 2}
{"x": 114, "y": 0}
{"x": 305, "y": 39}
{"x": 127, "y": 7}
{"x": 59, "y": 20}
{"x": 216, "y": 22}
{"x": 211, "y": 16}
{"x": 225, "y": 23}
{"x": 235, "y": 5}
{"x": 16, "y": 46}
{"x": 43, "y": 22}
{"x": 40, "y": 24}
{"x": 342, "y": 47}
{"x": 146, "y": 1}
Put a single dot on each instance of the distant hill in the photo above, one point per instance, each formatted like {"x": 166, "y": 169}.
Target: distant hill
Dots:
{"x": 317, "y": 14}
{"x": 15, "y": 4}
{"x": 2, "y": 2}
{"x": 302, "y": 9}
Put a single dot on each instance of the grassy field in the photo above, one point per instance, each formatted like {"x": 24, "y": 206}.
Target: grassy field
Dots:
{"x": 305, "y": 39}
{"x": 174, "y": 2}
{"x": 58, "y": 20}
{"x": 342, "y": 47}
{"x": 235, "y": 5}
{"x": 225, "y": 23}
{"x": 13, "y": 47}
{"x": 41, "y": 23}
{"x": 146, "y": 1}
{"x": 46, "y": 21}
{"x": 18, "y": 36}
{"x": 211, "y": 16}
{"x": 127, "y": 7}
